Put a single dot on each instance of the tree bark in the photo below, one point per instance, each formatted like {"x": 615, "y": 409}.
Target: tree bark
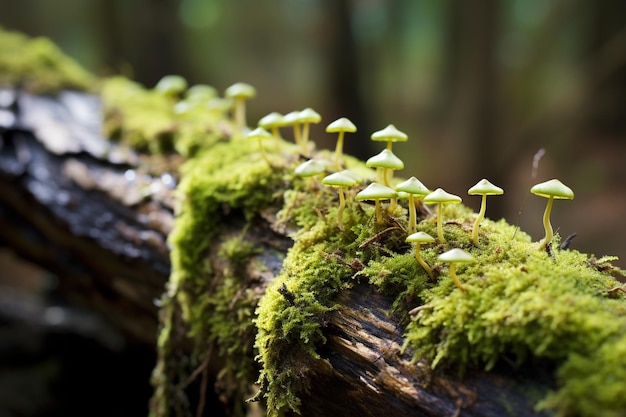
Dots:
{"x": 89, "y": 211}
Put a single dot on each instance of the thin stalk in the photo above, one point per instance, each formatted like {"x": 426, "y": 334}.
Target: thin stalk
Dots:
{"x": 547, "y": 225}
{"x": 479, "y": 219}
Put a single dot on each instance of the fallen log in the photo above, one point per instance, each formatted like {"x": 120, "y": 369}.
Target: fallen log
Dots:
{"x": 98, "y": 214}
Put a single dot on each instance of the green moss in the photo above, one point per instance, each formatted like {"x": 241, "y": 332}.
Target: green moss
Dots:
{"x": 38, "y": 65}
{"x": 151, "y": 121}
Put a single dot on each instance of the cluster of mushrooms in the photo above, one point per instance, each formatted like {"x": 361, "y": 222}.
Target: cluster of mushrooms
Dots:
{"x": 385, "y": 163}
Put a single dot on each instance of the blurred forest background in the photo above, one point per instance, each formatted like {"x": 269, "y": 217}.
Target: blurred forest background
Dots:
{"x": 479, "y": 86}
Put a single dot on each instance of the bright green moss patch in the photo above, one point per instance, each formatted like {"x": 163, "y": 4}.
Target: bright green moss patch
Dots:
{"x": 38, "y": 65}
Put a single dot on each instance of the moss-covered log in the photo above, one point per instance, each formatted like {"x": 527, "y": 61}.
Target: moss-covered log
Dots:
{"x": 158, "y": 212}
{"x": 94, "y": 214}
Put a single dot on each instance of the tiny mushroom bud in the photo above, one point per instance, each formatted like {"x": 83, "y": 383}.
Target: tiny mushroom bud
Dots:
{"x": 340, "y": 126}
{"x": 272, "y": 122}
{"x": 306, "y": 117}
{"x": 484, "y": 188}
{"x": 419, "y": 238}
{"x": 171, "y": 86}
{"x": 415, "y": 189}
{"x": 553, "y": 189}
{"x": 453, "y": 257}
{"x": 260, "y": 134}
{"x": 240, "y": 92}
{"x": 440, "y": 197}
{"x": 389, "y": 134}
{"x": 340, "y": 180}
{"x": 376, "y": 192}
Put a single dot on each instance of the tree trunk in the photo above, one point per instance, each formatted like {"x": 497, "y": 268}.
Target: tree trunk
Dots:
{"x": 91, "y": 212}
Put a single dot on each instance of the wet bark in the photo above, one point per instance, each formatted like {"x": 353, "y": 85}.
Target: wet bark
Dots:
{"x": 92, "y": 213}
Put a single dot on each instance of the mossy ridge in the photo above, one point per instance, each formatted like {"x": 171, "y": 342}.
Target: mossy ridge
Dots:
{"x": 296, "y": 306}
{"x": 38, "y": 65}
{"x": 228, "y": 176}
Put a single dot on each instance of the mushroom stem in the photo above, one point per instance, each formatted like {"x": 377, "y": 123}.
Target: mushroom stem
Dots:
{"x": 412, "y": 215}
{"x": 479, "y": 219}
{"x": 421, "y": 261}
{"x": 304, "y": 138}
{"x": 240, "y": 114}
{"x": 379, "y": 214}
{"x": 339, "y": 150}
{"x": 393, "y": 202}
{"x": 297, "y": 135}
{"x": 455, "y": 278}
{"x": 439, "y": 224}
{"x": 547, "y": 225}
{"x": 342, "y": 205}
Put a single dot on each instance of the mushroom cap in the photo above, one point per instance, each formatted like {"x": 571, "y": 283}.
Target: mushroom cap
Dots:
{"x": 200, "y": 92}
{"x": 171, "y": 84}
{"x": 553, "y": 188}
{"x": 456, "y": 255}
{"x": 485, "y": 187}
{"x": 339, "y": 179}
{"x": 309, "y": 115}
{"x": 390, "y": 133}
{"x": 352, "y": 175}
{"x": 310, "y": 168}
{"x": 440, "y": 196}
{"x": 420, "y": 237}
{"x": 259, "y": 133}
{"x": 342, "y": 124}
{"x": 241, "y": 91}
{"x": 385, "y": 159}
{"x": 271, "y": 120}
{"x": 291, "y": 117}
{"x": 376, "y": 191}
{"x": 412, "y": 186}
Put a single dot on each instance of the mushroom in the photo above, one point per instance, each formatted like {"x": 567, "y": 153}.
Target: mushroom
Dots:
{"x": 384, "y": 162}
{"x": 453, "y": 257}
{"x": 200, "y": 93}
{"x": 340, "y": 126}
{"x": 389, "y": 134}
{"x": 310, "y": 169}
{"x": 376, "y": 192}
{"x": 552, "y": 189}
{"x": 441, "y": 197}
{"x": 272, "y": 122}
{"x": 415, "y": 189}
{"x": 260, "y": 134}
{"x": 340, "y": 180}
{"x": 419, "y": 238}
{"x": 484, "y": 188}
{"x": 240, "y": 92}
{"x": 306, "y": 117}
{"x": 171, "y": 86}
